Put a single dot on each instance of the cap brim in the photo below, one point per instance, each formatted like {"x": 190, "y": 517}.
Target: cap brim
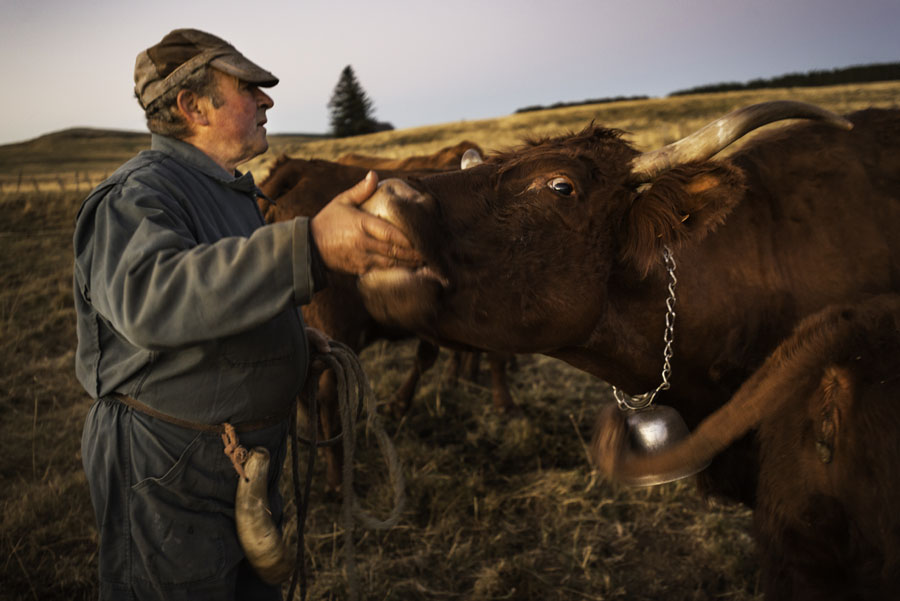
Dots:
{"x": 245, "y": 70}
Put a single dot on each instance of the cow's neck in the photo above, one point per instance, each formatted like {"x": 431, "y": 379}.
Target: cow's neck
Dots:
{"x": 625, "y": 347}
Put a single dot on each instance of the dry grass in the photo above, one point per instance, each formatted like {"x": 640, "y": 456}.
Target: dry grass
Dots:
{"x": 505, "y": 508}
{"x": 47, "y": 540}
{"x": 500, "y": 508}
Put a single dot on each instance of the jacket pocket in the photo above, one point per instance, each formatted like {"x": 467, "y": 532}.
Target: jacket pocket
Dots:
{"x": 183, "y": 521}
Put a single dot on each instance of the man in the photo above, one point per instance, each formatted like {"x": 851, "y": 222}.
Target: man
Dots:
{"x": 188, "y": 320}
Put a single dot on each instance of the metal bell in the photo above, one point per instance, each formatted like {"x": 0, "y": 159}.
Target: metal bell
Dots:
{"x": 655, "y": 429}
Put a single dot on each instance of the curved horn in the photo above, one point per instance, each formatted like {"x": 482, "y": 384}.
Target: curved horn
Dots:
{"x": 715, "y": 136}
{"x": 263, "y": 544}
{"x": 470, "y": 158}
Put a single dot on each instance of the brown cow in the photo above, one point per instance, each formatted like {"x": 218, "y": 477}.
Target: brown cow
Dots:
{"x": 828, "y": 416}
{"x": 302, "y": 187}
{"x": 558, "y": 248}
{"x": 445, "y": 159}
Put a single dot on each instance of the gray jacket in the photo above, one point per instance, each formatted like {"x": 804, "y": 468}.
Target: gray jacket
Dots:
{"x": 185, "y": 300}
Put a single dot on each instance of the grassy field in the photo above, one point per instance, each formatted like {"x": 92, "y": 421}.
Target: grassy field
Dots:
{"x": 499, "y": 508}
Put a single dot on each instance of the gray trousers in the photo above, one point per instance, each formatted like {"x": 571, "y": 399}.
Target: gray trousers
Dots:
{"x": 164, "y": 501}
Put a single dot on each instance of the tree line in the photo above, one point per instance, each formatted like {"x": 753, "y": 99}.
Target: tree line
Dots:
{"x": 830, "y": 77}
{"x": 823, "y": 77}
{"x": 559, "y": 105}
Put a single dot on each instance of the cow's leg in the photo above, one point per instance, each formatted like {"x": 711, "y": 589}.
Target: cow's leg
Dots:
{"x": 463, "y": 364}
{"x": 503, "y": 402}
{"x": 470, "y": 365}
{"x": 329, "y": 427}
{"x": 426, "y": 355}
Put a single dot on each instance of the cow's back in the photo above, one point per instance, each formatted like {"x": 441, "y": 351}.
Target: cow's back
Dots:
{"x": 818, "y": 225}
{"x": 834, "y": 198}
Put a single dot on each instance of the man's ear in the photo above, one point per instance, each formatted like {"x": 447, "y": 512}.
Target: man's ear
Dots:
{"x": 680, "y": 207}
{"x": 193, "y": 107}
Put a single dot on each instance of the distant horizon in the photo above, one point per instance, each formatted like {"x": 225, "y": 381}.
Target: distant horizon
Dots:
{"x": 326, "y": 134}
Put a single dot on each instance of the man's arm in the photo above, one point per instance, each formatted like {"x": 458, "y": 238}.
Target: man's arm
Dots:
{"x": 159, "y": 288}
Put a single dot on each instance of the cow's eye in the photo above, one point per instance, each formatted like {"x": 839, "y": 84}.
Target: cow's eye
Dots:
{"x": 561, "y": 185}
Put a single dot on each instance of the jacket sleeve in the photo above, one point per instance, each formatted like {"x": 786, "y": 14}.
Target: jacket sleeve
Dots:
{"x": 159, "y": 288}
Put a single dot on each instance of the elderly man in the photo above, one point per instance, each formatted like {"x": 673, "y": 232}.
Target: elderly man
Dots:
{"x": 187, "y": 320}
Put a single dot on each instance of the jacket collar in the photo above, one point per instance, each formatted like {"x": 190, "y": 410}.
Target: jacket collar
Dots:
{"x": 196, "y": 158}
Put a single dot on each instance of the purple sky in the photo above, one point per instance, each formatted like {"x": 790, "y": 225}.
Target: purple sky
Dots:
{"x": 67, "y": 63}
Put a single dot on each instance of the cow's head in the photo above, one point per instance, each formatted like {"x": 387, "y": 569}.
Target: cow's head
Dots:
{"x": 522, "y": 250}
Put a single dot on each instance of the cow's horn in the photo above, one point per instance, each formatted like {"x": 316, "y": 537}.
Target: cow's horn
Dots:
{"x": 712, "y": 138}
{"x": 470, "y": 158}
{"x": 263, "y": 544}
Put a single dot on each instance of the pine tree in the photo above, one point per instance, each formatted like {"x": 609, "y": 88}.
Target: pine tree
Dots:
{"x": 351, "y": 109}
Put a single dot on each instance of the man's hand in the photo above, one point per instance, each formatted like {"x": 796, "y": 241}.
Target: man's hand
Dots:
{"x": 353, "y": 241}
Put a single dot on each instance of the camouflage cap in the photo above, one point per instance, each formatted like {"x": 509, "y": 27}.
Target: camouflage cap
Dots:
{"x": 181, "y": 53}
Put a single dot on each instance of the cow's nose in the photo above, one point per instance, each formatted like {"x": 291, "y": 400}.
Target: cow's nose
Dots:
{"x": 392, "y": 197}
{"x": 402, "y": 191}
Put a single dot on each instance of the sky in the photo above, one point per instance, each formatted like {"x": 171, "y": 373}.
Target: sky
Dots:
{"x": 70, "y": 63}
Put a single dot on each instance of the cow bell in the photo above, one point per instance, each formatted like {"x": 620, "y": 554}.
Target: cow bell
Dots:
{"x": 655, "y": 429}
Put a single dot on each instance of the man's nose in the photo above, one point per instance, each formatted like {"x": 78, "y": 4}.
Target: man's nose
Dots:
{"x": 263, "y": 100}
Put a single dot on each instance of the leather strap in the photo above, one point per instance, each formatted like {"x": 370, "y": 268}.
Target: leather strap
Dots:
{"x": 200, "y": 427}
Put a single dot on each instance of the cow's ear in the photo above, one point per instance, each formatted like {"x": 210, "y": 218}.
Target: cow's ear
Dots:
{"x": 680, "y": 207}
{"x": 828, "y": 410}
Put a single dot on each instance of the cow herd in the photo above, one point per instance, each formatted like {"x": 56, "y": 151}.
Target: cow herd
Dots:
{"x": 785, "y": 348}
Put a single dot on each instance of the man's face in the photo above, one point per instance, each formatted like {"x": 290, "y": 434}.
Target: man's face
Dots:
{"x": 237, "y": 125}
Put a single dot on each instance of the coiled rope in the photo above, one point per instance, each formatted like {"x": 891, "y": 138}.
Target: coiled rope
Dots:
{"x": 353, "y": 391}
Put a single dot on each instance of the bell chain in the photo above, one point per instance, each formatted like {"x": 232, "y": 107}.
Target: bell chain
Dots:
{"x": 642, "y": 401}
